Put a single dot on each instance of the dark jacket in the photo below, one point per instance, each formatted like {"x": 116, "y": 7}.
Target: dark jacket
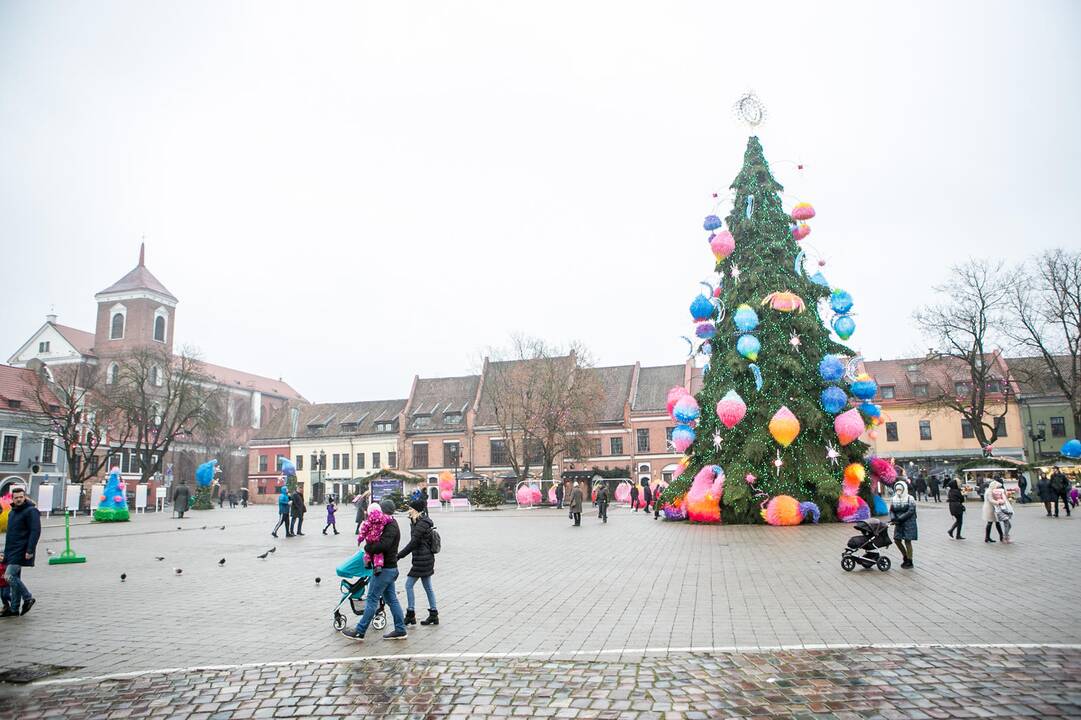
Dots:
{"x": 956, "y": 499}
{"x": 24, "y": 529}
{"x": 298, "y": 503}
{"x": 420, "y": 546}
{"x": 932, "y": 484}
{"x": 647, "y": 494}
{"x": 1043, "y": 489}
{"x": 1059, "y": 483}
{"x": 576, "y": 500}
{"x": 634, "y": 494}
{"x": 920, "y": 485}
{"x": 181, "y": 497}
{"x": 602, "y": 495}
{"x": 387, "y": 544}
{"x": 905, "y": 518}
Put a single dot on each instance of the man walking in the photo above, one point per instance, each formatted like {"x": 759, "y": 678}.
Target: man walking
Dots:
{"x": 1060, "y": 488}
{"x": 576, "y": 504}
{"x": 920, "y": 486}
{"x": 559, "y": 496}
{"x": 181, "y": 499}
{"x": 1022, "y": 487}
{"x": 602, "y": 502}
{"x": 932, "y": 484}
{"x": 24, "y": 529}
{"x": 382, "y": 585}
{"x": 297, "y": 516}
{"x": 634, "y": 497}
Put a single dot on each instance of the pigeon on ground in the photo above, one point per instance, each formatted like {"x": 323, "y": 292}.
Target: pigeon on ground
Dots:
{"x": 159, "y": 558}
{"x": 263, "y": 556}
{"x": 204, "y": 527}
{"x": 318, "y": 580}
{"x": 273, "y": 549}
{"x": 178, "y": 571}
{"x": 123, "y": 577}
{"x": 221, "y": 562}
{"x": 222, "y": 527}
{"x": 179, "y": 528}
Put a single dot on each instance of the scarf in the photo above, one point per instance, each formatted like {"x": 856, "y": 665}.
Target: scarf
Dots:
{"x": 900, "y": 493}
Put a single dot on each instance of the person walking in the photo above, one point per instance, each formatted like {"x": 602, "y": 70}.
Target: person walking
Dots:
{"x": 1043, "y": 491}
{"x": 903, "y": 516}
{"x": 602, "y": 502}
{"x": 297, "y": 513}
{"x": 422, "y": 566}
{"x": 361, "y": 501}
{"x": 989, "y": 505}
{"x": 920, "y": 486}
{"x": 647, "y": 494}
{"x": 331, "y": 523}
{"x": 20, "y": 547}
{"x": 956, "y": 500}
{"x": 576, "y": 504}
{"x": 181, "y": 499}
{"x": 381, "y": 586}
{"x": 1060, "y": 489}
{"x": 284, "y": 502}
{"x": 221, "y": 497}
{"x": 1022, "y": 488}
{"x": 1003, "y": 511}
{"x": 932, "y": 485}
{"x": 243, "y": 497}
{"x": 559, "y": 496}
{"x": 634, "y": 497}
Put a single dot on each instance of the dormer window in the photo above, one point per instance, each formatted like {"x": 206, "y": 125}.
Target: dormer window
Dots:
{"x": 422, "y": 421}
{"x": 15, "y": 404}
{"x": 385, "y": 426}
{"x": 452, "y": 418}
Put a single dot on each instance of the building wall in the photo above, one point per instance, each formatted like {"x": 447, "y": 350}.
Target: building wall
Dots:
{"x": 29, "y": 439}
{"x": 1037, "y": 410}
{"x": 60, "y": 350}
{"x": 351, "y": 446}
{"x": 138, "y": 327}
{"x": 263, "y": 485}
{"x": 946, "y": 436}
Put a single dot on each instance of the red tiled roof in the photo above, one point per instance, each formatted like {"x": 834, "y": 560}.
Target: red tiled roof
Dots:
{"x": 80, "y": 339}
{"x": 138, "y": 279}
{"x": 902, "y": 374}
{"x": 20, "y": 384}
{"x": 237, "y": 378}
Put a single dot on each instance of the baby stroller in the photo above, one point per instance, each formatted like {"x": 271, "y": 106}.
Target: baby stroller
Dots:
{"x": 874, "y": 534}
{"x": 354, "y": 590}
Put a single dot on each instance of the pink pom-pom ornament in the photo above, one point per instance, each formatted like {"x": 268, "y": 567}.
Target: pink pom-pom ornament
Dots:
{"x": 704, "y": 498}
{"x": 623, "y": 492}
{"x": 722, "y": 244}
{"x": 524, "y": 496}
{"x": 801, "y": 230}
{"x": 849, "y": 426}
{"x": 803, "y": 211}
{"x": 673, "y": 397}
{"x": 731, "y": 409}
{"x": 852, "y": 508}
{"x": 118, "y": 498}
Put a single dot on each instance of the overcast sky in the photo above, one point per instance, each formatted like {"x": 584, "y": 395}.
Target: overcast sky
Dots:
{"x": 345, "y": 194}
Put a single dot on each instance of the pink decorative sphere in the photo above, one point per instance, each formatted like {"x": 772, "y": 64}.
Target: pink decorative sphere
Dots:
{"x": 722, "y": 244}
{"x": 118, "y": 498}
{"x": 801, "y": 231}
{"x": 849, "y": 426}
{"x": 731, "y": 409}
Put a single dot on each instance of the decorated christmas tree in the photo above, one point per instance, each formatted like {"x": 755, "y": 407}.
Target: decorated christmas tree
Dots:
{"x": 204, "y": 476}
{"x": 773, "y": 433}
{"x": 113, "y": 502}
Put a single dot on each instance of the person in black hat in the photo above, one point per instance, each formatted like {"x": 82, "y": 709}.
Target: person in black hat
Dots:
{"x": 422, "y": 547}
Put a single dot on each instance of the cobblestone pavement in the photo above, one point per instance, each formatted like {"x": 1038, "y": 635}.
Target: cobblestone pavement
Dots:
{"x": 528, "y": 585}
{"x": 868, "y": 683}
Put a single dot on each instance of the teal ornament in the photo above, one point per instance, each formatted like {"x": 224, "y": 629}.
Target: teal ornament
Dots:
{"x": 757, "y": 372}
{"x": 831, "y": 368}
{"x": 819, "y": 279}
{"x": 745, "y": 318}
{"x": 701, "y": 308}
{"x": 833, "y": 399}
{"x": 705, "y": 330}
{"x": 869, "y": 409}
{"x": 706, "y": 349}
{"x": 711, "y": 223}
{"x": 1072, "y": 449}
{"x": 748, "y": 346}
{"x": 864, "y": 389}
{"x": 705, "y": 369}
{"x": 844, "y": 326}
{"x": 750, "y": 207}
{"x": 840, "y": 301}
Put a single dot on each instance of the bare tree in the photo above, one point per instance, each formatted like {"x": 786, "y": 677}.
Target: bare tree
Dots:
{"x": 161, "y": 398}
{"x": 1045, "y": 321}
{"x": 964, "y": 370}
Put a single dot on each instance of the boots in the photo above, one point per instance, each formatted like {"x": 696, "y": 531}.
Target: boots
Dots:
{"x": 433, "y": 618}
{"x": 410, "y": 617}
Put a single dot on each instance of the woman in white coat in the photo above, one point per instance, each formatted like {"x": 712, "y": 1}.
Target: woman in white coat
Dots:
{"x": 998, "y": 511}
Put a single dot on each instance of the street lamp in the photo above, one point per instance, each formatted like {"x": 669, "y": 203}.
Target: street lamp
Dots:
{"x": 1038, "y": 436}
{"x": 455, "y": 453}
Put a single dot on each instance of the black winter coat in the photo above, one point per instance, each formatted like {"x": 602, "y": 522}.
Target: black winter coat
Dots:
{"x": 24, "y": 529}
{"x": 956, "y": 500}
{"x": 420, "y": 546}
{"x": 387, "y": 544}
{"x": 298, "y": 503}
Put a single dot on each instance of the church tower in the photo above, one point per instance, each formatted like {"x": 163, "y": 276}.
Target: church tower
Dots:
{"x": 134, "y": 311}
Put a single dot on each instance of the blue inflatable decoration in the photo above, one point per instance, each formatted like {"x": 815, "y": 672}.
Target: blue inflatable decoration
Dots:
{"x": 204, "y": 474}
{"x": 705, "y": 330}
{"x": 870, "y": 410}
{"x": 757, "y": 376}
{"x": 844, "y": 326}
{"x": 705, "y": 369}
{"x": 833, "y": 399}
{"x": 831, "y": 368}
{"x": 840, "y": 301}
{"x": 748, "y": 346}
{"x": 712, "y": 223}
{"x": 701, "y": 308}
{"x": 864, "y": 388}
{"x": 706, "y": 349}
{"x": 745, "y": 318}
{"x": 1072, "y": 449}
{"x": 819, "y": 279}
{"x": 880, "y": 506}
{"x": 288, "y": 468}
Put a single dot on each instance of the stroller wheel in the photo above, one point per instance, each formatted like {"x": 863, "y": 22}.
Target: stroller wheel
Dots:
{"x": 380, "y": 620}
{"x": 847, "y": 564}
{"x": 883, "y": 563}
{"x": 339, "y": 620}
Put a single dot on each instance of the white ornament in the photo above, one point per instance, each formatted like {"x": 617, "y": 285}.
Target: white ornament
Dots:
{"x": 794, "y": 341}
{"x": 735, "y": 272}
{"x": 717, "y": 440}
{"x": 831, "y": 453}
{"x": 778, "y": 463}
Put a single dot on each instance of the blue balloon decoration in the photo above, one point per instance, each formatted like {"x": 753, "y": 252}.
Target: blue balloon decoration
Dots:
{"x": 204, "y": 474}
{"x": 706, "y": 349}
{"x": 1072, "y": 449}
{"x": 864, "y": 389}
{"x": 683, "y": 433}
{"x": 844, "y": 326}
{"x": 757, "y": 372}
{"x": 748, "y": 346}
{"x": 831, "y": 368}
{"x": 705, "y": 330}
{"x": 712, "y": 223}
{"x": 840, "y": 301}
{"x": 288, "y": 468}
{"x": 819, "y": 279}
{"x": 684, "y": 414}
{"x": 870, "y": 409}
{"x": 745, "y": 318}
{"x": 833, "y": 399}
{"x": 701, "y": 308}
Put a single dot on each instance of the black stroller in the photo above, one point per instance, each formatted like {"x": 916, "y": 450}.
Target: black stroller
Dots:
{"x": 874, "y": 534}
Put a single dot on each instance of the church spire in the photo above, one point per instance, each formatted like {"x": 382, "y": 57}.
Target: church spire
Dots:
{"x": 142, "y": 254}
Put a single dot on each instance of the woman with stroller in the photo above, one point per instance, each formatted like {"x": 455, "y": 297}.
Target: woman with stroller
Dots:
{"x": 956, "y": 499}
{"x": 996, "y": 511}
{"x": 423, "y": 562}
{"x": 903, "y": 516}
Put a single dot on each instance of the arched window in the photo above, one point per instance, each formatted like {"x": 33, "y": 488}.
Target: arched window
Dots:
{"x": 114, "y": 374}
{"x": 155, "y": 376}
{"x": 117, "y": 329}
{"x": 159, "y": 328}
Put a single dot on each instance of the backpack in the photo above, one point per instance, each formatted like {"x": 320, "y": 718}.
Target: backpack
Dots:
{"x": 435, "y": 543}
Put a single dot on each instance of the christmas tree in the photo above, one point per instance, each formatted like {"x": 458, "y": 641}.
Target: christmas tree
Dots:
{"x": 204, "y": 476}
{"x": 113, "y": 502}
{"x": 770, "y": 435}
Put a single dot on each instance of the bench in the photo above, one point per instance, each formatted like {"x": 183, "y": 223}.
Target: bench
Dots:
{"x": 435, "y": 505}
{"x": 457, "y": 503}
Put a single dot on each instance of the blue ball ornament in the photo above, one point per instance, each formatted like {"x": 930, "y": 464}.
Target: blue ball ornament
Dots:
{"x": 712, "y": 223}
{"x": 683, "y": 435}
{"x": 840, "y": 301}
{"x": 831, "y": 368}
{"x": 833, "y": 399}
{"x": 706, "y": 349}
{"x": 819, "y": 279}
{"x": 705, "y": 330}
{"x": 745, "y": 318}
{"x": 748, "y": 346}
{"x": 1072, "y": 449}
{"x": 864, "y": 388}
{"x": 701, "y": 308}
{"x": 844, "y": 326}
{"x": 870, "y": 410}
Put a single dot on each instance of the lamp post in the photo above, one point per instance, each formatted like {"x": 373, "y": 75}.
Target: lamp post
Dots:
{"x": 456, "y": 452}
{"x": 1038, "y": 436}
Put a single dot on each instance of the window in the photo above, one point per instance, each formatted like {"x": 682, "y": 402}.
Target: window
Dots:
{"x": 114, "y": 374}
{"x": 595, "y": 448}
{"x": 300, "y": 462}
{"x": 315, "y": 462}
{"x": 498, "y": 450}
{"x": 392, "y": 459}
{"x": 891, "y": 432}
{"x": 345, "y": 461}
{"x": 668, "y": 433}
{"x": 155, "y": 375}
{"x": 15, "y": 404}
{"x": 452, "y": 418}
{"x": 919, "y": 390}
{"x": 7, "y": 455}
{"x": 1000, "y": 427}
{"x": 886, "y": 392}
{"x": 116, "y": 329}
{"x": 262, "y": 463}
{"x": 1058, "y": 427}
{"x": 335, "y": 464}
{"x": 387, "y": 426}
{"x": 960, "y": 388}
{"x": 994, "y": 386}
{"x": 966, "y": 430}
{"x": 616, "y": 445}
{"x": 451, "y": 452}
{"x": 159, "y": 328}
{"x": 925, "y": 429}
{"x": 534, "y": 452}
{"x": 420, "y": 455}
{"x": 47, "y": 447}
{"x": 643, "y": 440}
{"x": 422, "y": 421}
{"x": 43, "y": 347}
{"x": 375, "y": 460}
{"x": 360, "y": 461}
{"x": 279, "y": 462}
